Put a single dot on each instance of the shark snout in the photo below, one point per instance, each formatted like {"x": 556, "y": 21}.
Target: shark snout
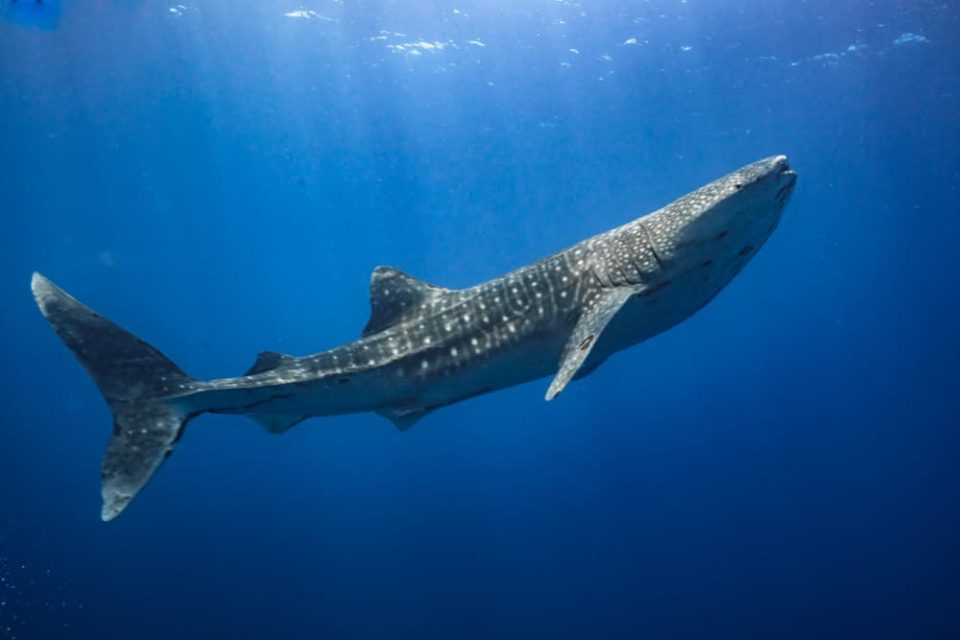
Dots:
{"x": 776, "y": 171}
{"x": 786, "y": 176}
{"x": 782, "y": 167}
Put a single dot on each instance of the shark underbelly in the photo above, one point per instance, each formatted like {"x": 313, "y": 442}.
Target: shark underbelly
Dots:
{"x": 454, "y": 367}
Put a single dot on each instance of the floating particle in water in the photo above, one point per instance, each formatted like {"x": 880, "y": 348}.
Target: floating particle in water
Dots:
{"x": 308, "y": 14}
{"x": 34, "y": 601}
{"x": 826, "y": 58}
{"x": 911, "y": 38}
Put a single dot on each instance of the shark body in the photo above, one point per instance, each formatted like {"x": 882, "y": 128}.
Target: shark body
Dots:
{"x": 425, "y": 346}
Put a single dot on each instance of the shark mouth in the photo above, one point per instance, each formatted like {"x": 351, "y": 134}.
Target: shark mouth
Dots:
{"x": 791, "y": 177}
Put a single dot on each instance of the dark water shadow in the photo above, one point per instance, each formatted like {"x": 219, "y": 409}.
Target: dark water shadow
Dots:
{"x": 39, "y": 14}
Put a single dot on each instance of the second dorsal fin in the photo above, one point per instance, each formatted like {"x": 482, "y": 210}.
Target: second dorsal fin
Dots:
{"x": 268, "y": 360}
{"x": 394, "y": 295}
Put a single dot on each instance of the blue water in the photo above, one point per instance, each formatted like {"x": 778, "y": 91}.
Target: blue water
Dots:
{"x": 221, "y": 178}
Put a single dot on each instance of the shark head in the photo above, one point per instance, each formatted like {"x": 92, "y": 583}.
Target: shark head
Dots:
{"x": 724, "y": 222}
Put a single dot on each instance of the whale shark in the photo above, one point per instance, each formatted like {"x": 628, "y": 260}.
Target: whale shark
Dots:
{"x": 425, "y": 346}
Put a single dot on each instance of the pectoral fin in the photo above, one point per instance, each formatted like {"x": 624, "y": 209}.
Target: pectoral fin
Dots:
{"x": 592, "y": 322}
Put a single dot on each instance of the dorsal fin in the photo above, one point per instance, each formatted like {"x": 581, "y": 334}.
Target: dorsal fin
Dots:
{"x": 268, "y": 360}
{"x": 394, "y": 296}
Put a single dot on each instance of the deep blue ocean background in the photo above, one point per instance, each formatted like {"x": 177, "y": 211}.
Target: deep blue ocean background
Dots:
{"x": 222, "y": 177}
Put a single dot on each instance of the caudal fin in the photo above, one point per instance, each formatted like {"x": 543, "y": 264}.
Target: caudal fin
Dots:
{"x": 138, "y": 382}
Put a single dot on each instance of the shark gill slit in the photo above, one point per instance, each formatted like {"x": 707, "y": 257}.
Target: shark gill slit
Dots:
{"x": 653, "y": 247}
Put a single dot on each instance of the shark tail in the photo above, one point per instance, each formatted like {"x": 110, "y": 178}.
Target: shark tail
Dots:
{"x": 139, "y": 383}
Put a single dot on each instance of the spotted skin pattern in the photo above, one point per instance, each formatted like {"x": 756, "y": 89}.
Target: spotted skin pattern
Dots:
{"x": 425, "y": 346}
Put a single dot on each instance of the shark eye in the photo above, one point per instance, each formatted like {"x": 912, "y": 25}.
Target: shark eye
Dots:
{"x": 738, "y": 186}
